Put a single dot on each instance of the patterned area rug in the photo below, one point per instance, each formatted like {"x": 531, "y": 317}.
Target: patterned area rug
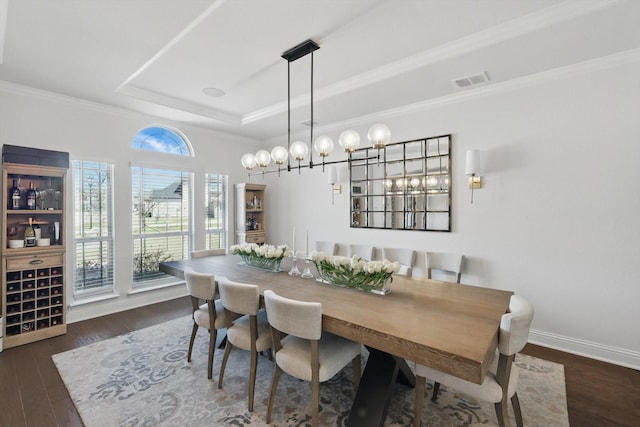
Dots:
{"x": 143, "y": 379}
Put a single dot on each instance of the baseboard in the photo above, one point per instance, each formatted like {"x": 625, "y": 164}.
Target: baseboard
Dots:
{"x": 605, "y": 353}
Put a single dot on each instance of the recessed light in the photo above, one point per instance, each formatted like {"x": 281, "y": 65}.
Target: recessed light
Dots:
{"x": 213, "y": 91}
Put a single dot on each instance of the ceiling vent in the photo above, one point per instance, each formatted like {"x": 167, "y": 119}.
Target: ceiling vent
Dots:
{"x": 472, "y": 80}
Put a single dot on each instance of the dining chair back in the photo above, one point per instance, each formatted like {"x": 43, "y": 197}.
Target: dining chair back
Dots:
{"x": 208, "y": 252}
{"x": 501, "y": 382}
{"x": 306, "y": 352}
{"x": 406, "y": 258}
{"x": 247, "y": 326}
{"x": 445, "y": 262}
{"x": 363, "y": 251}
{"x": 210, "y": 314}
{"x": 326, "y": 247}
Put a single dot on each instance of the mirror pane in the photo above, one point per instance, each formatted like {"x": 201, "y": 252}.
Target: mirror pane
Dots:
{"x": 408, "y": 189}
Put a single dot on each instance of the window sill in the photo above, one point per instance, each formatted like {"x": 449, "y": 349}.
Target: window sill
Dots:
{"x": 92, "y": 299}
{"x": 177, "y": 282}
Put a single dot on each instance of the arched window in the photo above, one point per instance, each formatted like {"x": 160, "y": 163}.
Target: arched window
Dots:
{"x": 162, "y": 140}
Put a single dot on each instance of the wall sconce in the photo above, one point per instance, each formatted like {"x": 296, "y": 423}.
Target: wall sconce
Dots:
{"x": 333, "y": 179}
{"x": 473, "y": 168}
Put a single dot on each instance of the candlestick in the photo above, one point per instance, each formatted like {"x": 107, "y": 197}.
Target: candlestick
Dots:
{"x": 294, "y": 268}
{"x": 293, "y": 244}
{"x": 306, "y": 244}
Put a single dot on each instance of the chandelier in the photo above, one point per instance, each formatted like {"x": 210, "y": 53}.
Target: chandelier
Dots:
{"x": 349, "y": 140}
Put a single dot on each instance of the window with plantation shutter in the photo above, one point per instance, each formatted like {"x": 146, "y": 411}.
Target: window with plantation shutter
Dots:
{"x": 161, "y": 222}
{"x": 93, "y": 228}
{"x": 216, "y": 206}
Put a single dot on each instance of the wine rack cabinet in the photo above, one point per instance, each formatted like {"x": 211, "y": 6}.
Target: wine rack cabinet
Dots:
{"x": 33, "y": 278}
{"x": 34, "y": 298}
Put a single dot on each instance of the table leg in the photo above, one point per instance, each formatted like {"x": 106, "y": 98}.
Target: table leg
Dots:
{"x": 376, "y": 386}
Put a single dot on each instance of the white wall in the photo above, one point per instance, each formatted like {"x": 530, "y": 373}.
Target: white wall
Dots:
{"x": 556, "y": 220}
{"x": 93, "y": 132}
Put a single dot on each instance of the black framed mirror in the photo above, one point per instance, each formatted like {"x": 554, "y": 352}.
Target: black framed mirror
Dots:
{"x": 404, "y": 186}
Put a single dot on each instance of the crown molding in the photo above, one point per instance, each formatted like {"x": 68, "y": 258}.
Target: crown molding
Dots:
{"x": 108, "y": 109}
{"x": 594, "y": 65}
{"x": 569, "y": 71}
{"x": 69, "y": 100}
{"x": 508, "y": 30}
{"x": 179, "y": 104}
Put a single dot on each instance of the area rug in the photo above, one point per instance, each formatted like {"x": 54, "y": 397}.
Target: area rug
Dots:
{"x": 143, "y": 379}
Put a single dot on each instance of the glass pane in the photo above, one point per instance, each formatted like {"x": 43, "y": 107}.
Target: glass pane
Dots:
{"x": 376, "y": 219}
{"x": 161, "y": 140}
{"x": 438, "y": 221}
{"x": 395, "y": 169}
{"x": 377, "y": 187}
{"x": 438, "y": 202}
{"x": 393, "y": 153}
{"x": 414, "y": 150}
{"x": 437, "y": 165}
{"x": 376, "y": 203}
{"x": 415, "y": 167}
{"x": 358, "y": 173}
{"x": 149, "y": 252}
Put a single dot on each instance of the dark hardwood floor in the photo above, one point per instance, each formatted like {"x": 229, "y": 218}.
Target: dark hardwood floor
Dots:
{"x": 32, "y": 393}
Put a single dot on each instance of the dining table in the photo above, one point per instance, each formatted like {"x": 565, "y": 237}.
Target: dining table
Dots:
{"x": 446, "y": 326}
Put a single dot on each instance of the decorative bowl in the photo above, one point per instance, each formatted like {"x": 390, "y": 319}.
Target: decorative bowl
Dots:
{"x": 16, "y": 244}
{"x": 45, "y": 241}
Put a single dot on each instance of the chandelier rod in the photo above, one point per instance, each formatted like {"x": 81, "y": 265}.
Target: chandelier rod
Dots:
{"x": 288, "y": 115}
{"x": 311, "y": 137}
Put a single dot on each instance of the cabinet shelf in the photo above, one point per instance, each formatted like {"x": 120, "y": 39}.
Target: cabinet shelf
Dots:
{"x": 34, "y": 212}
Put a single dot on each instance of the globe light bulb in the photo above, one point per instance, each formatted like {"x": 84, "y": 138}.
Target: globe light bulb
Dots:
{"x": 299, "y": 150}
{"x": 379, "y": 135}
{"x": 263, "y": 158}
{"x": 279, "y": 154}
{"x": 323, "y": 145}
{"x": 249, "y": 161}
{"x": 349, "y": 140}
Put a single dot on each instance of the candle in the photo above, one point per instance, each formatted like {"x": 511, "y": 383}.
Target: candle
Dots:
{"x": 294, "y": 240}
{"x": 306, "y": 244}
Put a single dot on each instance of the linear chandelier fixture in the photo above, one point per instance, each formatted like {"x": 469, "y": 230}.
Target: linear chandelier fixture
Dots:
{"x": 379, "y": 134}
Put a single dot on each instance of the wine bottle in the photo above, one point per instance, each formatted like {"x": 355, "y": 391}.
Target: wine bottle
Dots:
{"x": 29, "y": 235}
{"x": 14, "y": 196}
{"x": 31, "y": 196}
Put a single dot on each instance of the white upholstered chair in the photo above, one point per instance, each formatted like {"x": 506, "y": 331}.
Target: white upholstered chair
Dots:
{"x": 406, "y": 258}
{"x": 363, "y": 251}
{"x": 210, "y": 315}
{"x": 501, "y": 382}
{"x": 208, "y": 252}
{"x": 307, "y": 352}
{"x": 449, "y": 263}
{"x": 247, "y": 326}
{"x": 326, "y": 247}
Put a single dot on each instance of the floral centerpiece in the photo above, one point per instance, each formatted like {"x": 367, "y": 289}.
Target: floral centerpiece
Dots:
{"x": 267, "y": 257}
{"x": 354, "y": 272}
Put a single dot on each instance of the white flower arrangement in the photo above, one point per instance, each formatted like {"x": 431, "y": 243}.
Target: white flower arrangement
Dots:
{"x": 354, "y": 272}
{"x": 263, "y": 256}
{"x": 265, "y": 251}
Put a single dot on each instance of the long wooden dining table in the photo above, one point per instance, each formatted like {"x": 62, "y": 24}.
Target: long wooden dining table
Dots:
{"x": 446, "y": 326}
